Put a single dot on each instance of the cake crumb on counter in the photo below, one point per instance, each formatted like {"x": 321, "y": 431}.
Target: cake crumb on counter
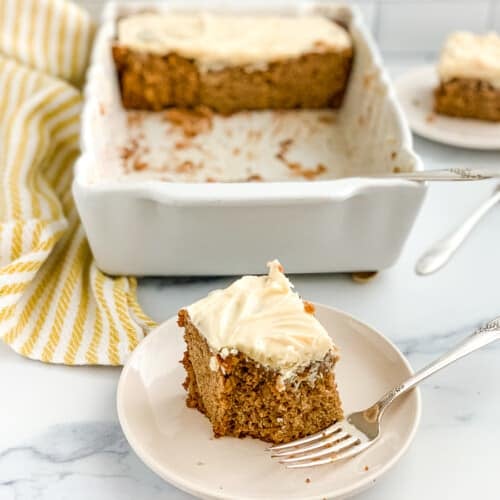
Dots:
{"x": 363, "y": 276}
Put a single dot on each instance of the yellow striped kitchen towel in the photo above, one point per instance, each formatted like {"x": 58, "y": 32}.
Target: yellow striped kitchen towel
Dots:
{"x": 55, "y": 305}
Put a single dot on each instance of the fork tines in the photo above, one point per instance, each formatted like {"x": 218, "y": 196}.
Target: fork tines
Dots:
{"x": 339, "y": 441}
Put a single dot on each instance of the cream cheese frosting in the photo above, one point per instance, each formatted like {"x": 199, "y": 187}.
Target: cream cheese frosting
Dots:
{"x": 262, "y": 317}
{"x": 466, "y": 55}
{"x": 215, "y": 41}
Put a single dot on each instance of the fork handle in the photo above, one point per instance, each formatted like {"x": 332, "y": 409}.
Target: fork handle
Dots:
{"x": 447, "y": 174}
{"x": 439, "y": 254}
{"x": 481, "y": 337}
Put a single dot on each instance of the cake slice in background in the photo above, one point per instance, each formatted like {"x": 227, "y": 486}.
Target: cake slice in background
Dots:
{"x": 469, "y": 72}
{"x": 258, "y": 362}
{"x": 231, "y": 63}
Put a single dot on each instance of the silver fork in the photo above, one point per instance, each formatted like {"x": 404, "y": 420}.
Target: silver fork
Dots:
{"x": 361, "y": 429}
{"x": 442, "y": 251}
{"x": 445, "y": 174}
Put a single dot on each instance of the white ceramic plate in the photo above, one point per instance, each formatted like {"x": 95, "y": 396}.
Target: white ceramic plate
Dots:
{"x": 176, "y": 442}
{"x": 415, "y": 91}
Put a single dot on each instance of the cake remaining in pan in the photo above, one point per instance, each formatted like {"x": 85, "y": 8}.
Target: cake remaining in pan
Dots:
{"x": 258, "y": 362}
{"x": 231, "y": 63}
{"x": 159, "y": 225}
{"x": 469, "y": 71}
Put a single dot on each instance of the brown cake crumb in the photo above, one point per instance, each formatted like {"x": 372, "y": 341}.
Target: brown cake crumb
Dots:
{"x": 394, "y": 154}
{"x": 192, "y": 121}
{"x": 102, "y": 108}
{"x": 188, "y": 166}
{"x": 313, "y": 173}
{"x": 328, "y": 119}
{"x": 135, "y": 118}
{"x": 363, "y": 276}
{"x": 294, "y": 165}
{"x": 254, "y": 135}
{"x": 182, "y": 145}
{"x": 283, "y": 149}
{"x": 368, "y": 79}
{"x": 140, "y": 165}
{"x": 309, "y": 307}
{"x": 126, "y": 153}
{"x": 308, "y": 174}
{"x": 308, "y": 480}
{"x": 297, "y": 167}
{"x": 366, "y": 468}
{"x": 396, "y": 170}
{"x": 130, "y": 150}
{"x": 255, "y": 178}
{"x": 320, "y": 45}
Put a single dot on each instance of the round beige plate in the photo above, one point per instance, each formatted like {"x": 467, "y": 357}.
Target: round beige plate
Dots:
{"x": 415, "y": 91}
{"x": 177, "y": 443}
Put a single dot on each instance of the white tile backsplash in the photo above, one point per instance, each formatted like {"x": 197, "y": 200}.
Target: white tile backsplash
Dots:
{"x": 405, "y": 26}
{"x": 369, "y": 12}
{"x": 420, "y": 26}
{"x": 495, "y": 18}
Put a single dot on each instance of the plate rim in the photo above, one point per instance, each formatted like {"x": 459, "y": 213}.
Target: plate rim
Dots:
{"x": 424, "y": 131}
{"x": 186, "y": 486}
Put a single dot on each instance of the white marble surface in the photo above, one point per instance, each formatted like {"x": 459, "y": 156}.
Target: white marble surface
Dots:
{"x": 59, "y": 435}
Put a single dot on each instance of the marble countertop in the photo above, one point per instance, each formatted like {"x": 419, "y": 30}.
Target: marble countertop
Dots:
{"x": 59, "y": 433}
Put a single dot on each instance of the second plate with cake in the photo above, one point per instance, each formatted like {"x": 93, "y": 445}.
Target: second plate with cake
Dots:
{"x": 416, "y": 95}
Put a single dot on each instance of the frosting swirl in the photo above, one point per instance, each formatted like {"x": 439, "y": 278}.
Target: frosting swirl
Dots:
{"x": 216, "y": 41}
{"x": 466, "y": 55}
{"x": 262, "y": 317}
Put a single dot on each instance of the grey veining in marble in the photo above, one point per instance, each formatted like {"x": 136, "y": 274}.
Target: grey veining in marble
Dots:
{"x": 79, "y": 461}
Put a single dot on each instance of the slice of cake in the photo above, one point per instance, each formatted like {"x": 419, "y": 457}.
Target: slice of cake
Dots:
{"x": 231, "y": 63}
{"x": 258, "y": 362}
{"x": 469, "y": 72}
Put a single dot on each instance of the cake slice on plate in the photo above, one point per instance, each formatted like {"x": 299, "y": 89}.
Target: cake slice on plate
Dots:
{"x": 469, "y": 72}
{"x": 258, "y": 361}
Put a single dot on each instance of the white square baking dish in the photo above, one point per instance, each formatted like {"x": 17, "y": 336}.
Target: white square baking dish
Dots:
{"x": 150, "y": 227}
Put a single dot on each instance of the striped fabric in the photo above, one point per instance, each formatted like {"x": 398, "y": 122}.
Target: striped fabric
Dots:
{"x": 55, "y": 305}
